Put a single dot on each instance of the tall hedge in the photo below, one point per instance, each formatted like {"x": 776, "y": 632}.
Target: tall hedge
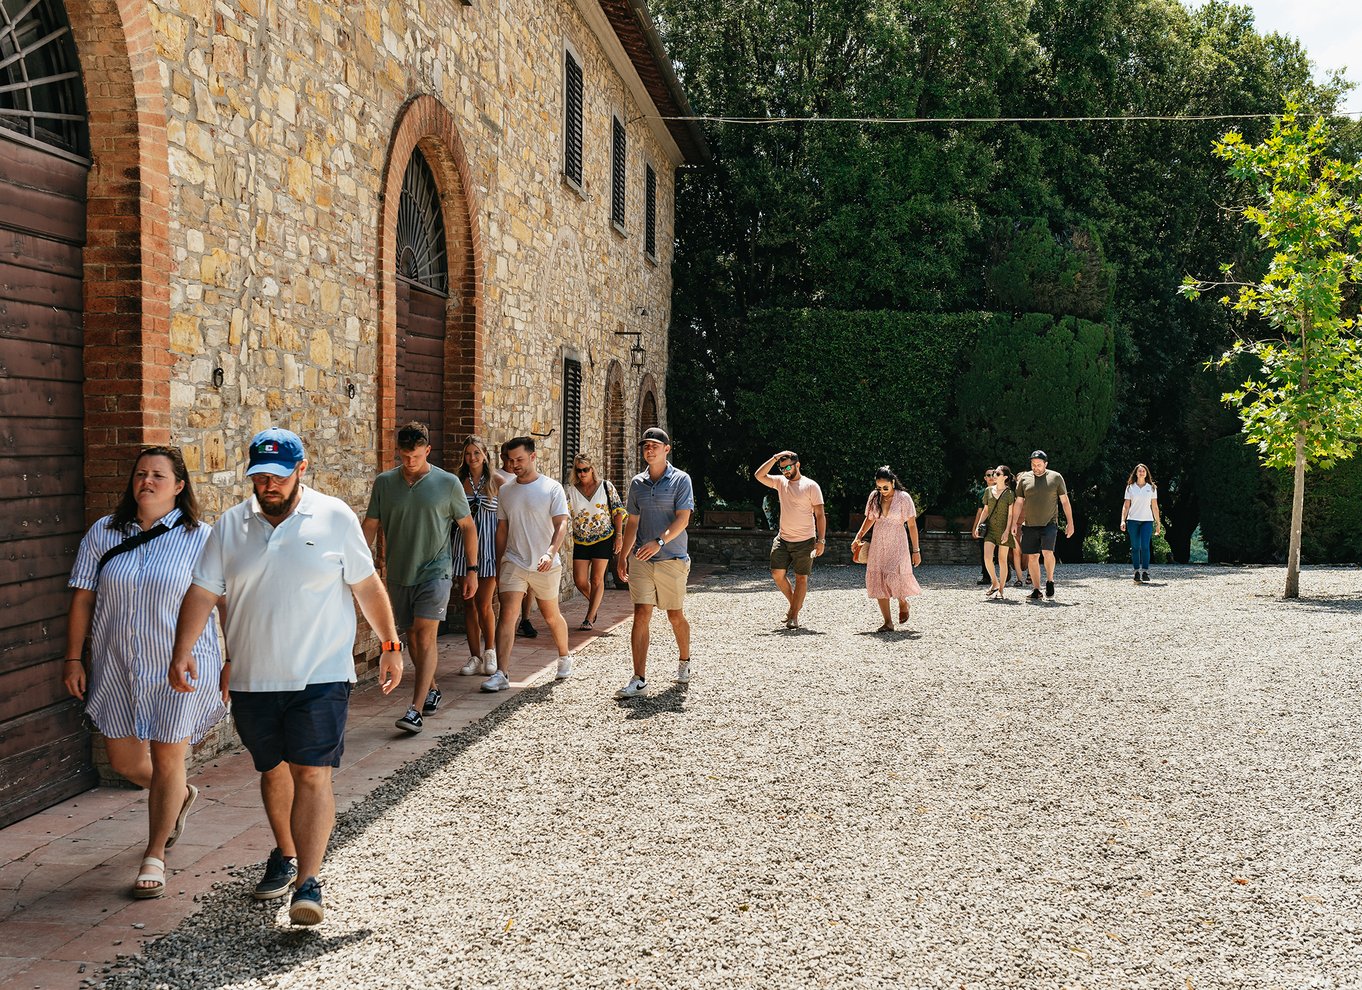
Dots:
{"x": 1246, "y": 509}
{"x": 1033, "y": 270}
{"x": 851, "y": 390}
{"x": 1037, "y": 380}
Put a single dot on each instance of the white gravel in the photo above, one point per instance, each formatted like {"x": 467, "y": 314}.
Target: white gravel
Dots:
{"x": 1133, "y": 787}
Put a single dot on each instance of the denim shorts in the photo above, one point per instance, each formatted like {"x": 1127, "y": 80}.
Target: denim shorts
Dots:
{"x": 306, "y": 727}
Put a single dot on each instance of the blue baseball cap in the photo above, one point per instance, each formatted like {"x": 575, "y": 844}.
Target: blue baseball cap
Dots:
{"x": 275, "y": 451}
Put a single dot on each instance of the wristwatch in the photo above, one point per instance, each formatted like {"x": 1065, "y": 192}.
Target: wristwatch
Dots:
{"x": 395, "y": 646}
{"x": 661, "y": 541}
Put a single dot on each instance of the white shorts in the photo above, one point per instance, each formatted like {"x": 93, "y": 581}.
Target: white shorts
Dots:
{"x": 544, "y": 585}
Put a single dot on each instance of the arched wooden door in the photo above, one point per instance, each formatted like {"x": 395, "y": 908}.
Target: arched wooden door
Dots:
{"x": 44, "y": 750}
{"x": 617, "y": 462}
{"x": 422, "y": 299}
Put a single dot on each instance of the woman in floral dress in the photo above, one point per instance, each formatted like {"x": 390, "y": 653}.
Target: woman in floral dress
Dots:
{"x": 597, "y": 531}
{"x": 893, "y": 546}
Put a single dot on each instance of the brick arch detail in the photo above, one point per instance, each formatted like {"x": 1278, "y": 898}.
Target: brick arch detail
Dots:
{"x": 425, "y": 123}
{"x": 614, "y": 439}
{"x": 127, "y": 260}
{"x": 647, "y": 389}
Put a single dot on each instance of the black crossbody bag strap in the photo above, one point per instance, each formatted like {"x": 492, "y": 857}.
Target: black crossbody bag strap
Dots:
{"x": 133, "y": 542}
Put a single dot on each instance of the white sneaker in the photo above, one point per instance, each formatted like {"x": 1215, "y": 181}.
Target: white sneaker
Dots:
{"x": 565, "y": 667}
{"x": 489, "y": 662}
{"x": 635, "y": 687}
{"x": 683, "y": 672}
{"x": 497, "y": 682}
{"x": 473, "y": 666}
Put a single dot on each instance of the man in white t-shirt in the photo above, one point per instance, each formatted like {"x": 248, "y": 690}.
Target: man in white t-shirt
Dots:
{"x": 287, "y": 562}
{"x": 803, "y": 526}
{"x": 532, "y": 523}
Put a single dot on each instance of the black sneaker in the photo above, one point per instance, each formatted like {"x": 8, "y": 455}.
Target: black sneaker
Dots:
{"x": 984, "y": 580}
{"x": 433, "y": 699}
{"x": 1137, "y": 577}
{"x": 280, "y": 873}
{"x": 525, "y": 629}
{"x": 1049, "y": 589}
{"x": 306, "y": 907}
{"x": 1035, "y": 595}
{"x": 411, "y": 722}
{"x": 1144, "y": 577}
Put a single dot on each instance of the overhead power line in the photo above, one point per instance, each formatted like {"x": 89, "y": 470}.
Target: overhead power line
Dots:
{"x": 1128, "y": 119}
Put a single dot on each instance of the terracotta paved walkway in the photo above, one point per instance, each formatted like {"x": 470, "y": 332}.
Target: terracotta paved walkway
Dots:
{"x": 64, "y": 909}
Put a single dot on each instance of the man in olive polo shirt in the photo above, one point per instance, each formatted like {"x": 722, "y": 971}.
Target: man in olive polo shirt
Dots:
{"x": 1040, "y": 493}
{"x": 415, "y": 503}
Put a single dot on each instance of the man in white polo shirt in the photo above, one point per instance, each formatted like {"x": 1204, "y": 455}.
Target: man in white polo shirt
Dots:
{"x": 287, "y": 561}
{"x": 532, "y": 523}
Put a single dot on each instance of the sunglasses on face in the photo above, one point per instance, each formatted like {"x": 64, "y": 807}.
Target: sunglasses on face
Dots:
{"x": 584, "y": 470}
{"x": 787, "y": 467}
{"x": 883, "y": 491}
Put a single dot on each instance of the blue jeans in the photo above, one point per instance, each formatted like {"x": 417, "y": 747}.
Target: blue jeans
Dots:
{"x": 1141, "y": 533}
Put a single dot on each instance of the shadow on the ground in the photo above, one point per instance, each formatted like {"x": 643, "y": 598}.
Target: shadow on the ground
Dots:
{"x": 269, "y": 950}
{"x": 672, "y": 701}
{"x": 1327, "y": 603}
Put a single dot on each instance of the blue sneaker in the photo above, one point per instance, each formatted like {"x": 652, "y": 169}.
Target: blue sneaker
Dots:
{"x": 306, "y": 908}
{"x": 280, "y": 873}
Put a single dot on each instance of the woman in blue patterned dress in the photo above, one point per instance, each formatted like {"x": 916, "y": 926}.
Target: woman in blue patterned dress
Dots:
{"x": 127, "y": 600}
{"x": 480, "y": 485}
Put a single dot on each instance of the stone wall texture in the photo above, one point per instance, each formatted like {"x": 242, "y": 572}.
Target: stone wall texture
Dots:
{"x": 279, "y": 130}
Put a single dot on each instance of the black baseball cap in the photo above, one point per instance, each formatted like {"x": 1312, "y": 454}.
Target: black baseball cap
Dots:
{"x": 655, "y": 433}
{"x": 1040, "y": 454}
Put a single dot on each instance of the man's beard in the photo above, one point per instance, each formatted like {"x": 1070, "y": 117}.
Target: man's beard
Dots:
{"x": 279, "y": 504}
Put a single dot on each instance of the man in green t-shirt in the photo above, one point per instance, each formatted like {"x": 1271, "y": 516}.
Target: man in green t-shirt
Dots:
{"x": 1040, "y": 493}
{"x": 416, "y": 503}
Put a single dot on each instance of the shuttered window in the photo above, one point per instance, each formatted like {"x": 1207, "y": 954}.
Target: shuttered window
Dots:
{"x": 572, "y": 413}
{"x": 650, "y": 212}
{"x": 572, "y": 118}
{"x": 617, "y": 159}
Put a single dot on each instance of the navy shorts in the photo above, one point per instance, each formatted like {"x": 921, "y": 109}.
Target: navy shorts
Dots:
{"x": 304, "y": 727}
{"x": 1038, "y": 538}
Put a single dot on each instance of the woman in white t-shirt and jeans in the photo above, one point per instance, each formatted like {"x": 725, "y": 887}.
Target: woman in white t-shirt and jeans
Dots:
{"x": 1140, "y": 518}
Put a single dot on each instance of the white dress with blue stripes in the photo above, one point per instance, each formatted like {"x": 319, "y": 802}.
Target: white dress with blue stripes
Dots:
{"x": 484, "y": 509}
{"x": 137, "y": 602}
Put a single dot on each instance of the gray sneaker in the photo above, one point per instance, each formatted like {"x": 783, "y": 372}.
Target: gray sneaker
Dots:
{"x": 280, "y": 873}
{"x": 497, "y": 682}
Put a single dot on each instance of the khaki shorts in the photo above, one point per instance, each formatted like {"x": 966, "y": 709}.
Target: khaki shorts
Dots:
{"x": 544, "y": 585}
{"x": 659, "y": 582}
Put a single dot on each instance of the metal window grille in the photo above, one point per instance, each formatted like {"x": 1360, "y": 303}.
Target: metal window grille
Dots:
{"x": 650, "y": 211}
{"x": 41, "y": 95}
{"x": 572, "y": 118}
{"x": 421, "y": 253}
{"x": 572, "y": 413}
{"x": 617, "y": 174}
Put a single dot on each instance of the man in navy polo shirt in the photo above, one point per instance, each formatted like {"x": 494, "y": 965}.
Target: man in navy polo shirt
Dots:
{"x": 656, "y": 561}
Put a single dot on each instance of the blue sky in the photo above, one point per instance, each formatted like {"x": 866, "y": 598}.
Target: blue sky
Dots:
{"x": 1331, "y": 31}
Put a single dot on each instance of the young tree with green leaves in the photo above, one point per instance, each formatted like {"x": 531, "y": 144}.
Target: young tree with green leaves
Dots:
{"x": 1302, "y": 406}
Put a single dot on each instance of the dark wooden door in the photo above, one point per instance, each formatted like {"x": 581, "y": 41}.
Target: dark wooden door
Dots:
{"x": 421, "y": 362}
{"x": 44, "y": 751}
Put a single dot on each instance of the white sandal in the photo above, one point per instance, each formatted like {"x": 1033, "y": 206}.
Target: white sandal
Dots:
{"x": 189, "y": 800}
{"x": 152, "y": 869}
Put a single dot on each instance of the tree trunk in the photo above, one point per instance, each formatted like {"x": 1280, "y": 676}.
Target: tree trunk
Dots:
{"x": 1293, "y": 552}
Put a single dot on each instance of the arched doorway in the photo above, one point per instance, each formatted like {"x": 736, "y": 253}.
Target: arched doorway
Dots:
{"x": 616, "y": 459}
{"x": 430, "y": 284}
{"x": 44, "y": 166}
{"x": 648, "y": 416}
{"x": 422, "y": 297}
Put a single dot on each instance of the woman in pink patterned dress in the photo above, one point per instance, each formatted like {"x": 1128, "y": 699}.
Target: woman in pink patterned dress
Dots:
{"x": 893, "y": 547}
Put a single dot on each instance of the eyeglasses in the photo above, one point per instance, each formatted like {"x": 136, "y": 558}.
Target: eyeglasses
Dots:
{"x": 990, "y": 474}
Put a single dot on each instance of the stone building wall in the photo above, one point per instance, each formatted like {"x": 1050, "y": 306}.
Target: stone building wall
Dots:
{"x": 280, "y": 115}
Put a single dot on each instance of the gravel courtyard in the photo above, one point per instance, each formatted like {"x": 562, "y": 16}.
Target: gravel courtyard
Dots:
{"x": 1133, "y": 786}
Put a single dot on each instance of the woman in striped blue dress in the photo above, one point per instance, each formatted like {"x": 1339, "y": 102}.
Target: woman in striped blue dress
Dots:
{"x": 128, "y": 602}
{"x": 480, "y": 485}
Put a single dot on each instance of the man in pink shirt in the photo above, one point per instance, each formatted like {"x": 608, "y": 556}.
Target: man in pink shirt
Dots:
{"x": 802, "y": 528}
